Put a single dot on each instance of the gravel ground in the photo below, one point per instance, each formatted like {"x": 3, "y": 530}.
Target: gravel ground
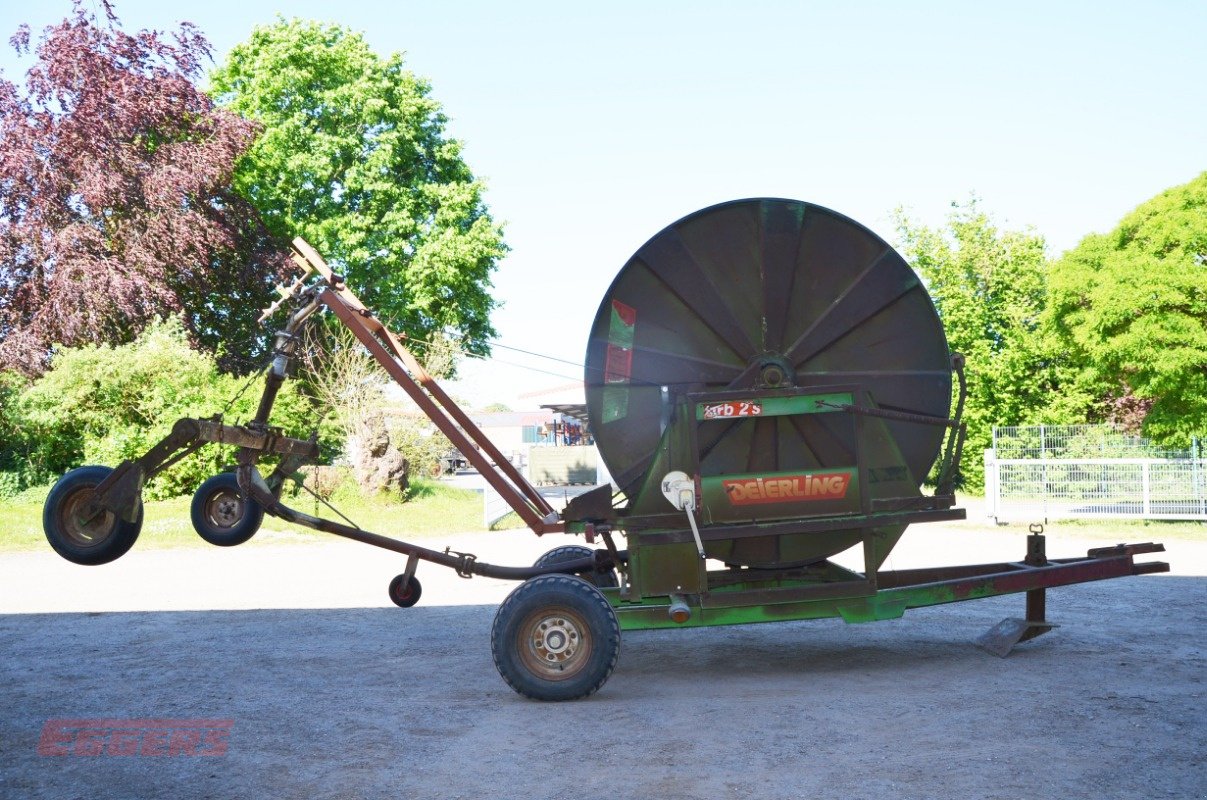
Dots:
{"x": 331, "y": 693}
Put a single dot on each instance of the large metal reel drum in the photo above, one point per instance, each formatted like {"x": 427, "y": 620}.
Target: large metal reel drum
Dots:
{"x": 765, "y": 293}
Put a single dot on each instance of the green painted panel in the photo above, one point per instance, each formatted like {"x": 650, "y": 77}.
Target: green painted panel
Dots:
{"x": 615, "y": 403}
{"x": 772, "y": 406}
{"x": 780, "y": 495}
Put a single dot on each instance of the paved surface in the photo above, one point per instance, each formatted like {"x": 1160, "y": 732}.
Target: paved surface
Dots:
{"x": 332, "y": 694}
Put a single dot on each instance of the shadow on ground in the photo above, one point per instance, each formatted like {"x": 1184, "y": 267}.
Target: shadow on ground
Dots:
{"x": 365, "y": 702}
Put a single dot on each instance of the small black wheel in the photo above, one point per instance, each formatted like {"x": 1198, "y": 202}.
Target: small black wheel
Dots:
{"x": 103, "y": 538}
{"x": 603, "y": 578}
{"x": 222, "y": 515}
{"x": 408, "y": 598}
{"x": 555, "y": 637}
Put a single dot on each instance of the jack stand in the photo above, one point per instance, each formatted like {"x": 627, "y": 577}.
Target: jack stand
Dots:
{"x": 1001, "y": 638}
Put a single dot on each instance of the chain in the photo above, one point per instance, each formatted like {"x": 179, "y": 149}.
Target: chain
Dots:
{"x": 320, "y": 499}
{"x": 238, "y": 394}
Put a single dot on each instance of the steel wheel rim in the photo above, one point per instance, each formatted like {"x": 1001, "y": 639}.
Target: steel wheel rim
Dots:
{"x": 554, "y": 643}
{"x": 224, "y": 509}
{"x": 92, "y": 533}
{"x": 400, "y": 594}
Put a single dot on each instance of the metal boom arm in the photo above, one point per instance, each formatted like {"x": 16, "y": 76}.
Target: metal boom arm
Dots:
{"x": 441, "y": 409}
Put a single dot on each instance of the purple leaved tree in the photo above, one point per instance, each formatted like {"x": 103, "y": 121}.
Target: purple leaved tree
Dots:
{"x": 115, "y": 197}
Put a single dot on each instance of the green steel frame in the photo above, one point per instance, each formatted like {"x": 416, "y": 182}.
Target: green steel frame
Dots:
{"x": 831, "y": 591}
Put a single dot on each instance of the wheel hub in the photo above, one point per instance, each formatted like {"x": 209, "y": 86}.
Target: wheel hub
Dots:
{"x": 556, "y": 640}
{"x": 225, "y": 509}
{"x": 81, "y": 529}
{"x": 554, "y": 644}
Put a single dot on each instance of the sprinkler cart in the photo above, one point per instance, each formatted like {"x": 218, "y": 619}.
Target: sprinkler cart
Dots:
{"x": 768, "y": 383}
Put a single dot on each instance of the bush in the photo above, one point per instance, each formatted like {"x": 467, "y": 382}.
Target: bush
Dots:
{"x": 420, "y": 443}
{"x": 101, "y": 405}
{"x": 15, "y": 472}
{"x": 11, "y": 484}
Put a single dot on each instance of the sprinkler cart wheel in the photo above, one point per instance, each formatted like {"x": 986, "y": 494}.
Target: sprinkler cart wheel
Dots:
{"x": 103, "y": 538}
{"x": 222, "y": 515}
{"x": 555, "y": 637}
{"x": 409, "y": 597}
{"x": 572, "y": 552}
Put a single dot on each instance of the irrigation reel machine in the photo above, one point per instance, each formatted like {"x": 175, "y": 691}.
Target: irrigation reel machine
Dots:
{"x": 768, "y": 383}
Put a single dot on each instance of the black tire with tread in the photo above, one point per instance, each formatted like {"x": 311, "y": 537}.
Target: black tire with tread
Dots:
{"x": 408, "y": 598}
{"x": 99, "y": 541}
{"x": 216, "y": 530}
{"x": 561, "y": 601}
{"x": 604, "y": 579}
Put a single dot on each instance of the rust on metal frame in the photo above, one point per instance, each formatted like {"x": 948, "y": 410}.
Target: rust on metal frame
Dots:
{"x": 403, "y": 367}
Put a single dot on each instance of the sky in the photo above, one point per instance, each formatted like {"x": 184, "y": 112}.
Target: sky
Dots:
{"x": 596, "y": 126}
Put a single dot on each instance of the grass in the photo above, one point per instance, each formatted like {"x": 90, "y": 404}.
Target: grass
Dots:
{"x": 431, "y": 509}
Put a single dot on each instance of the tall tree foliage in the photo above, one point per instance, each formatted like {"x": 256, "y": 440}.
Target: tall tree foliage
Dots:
{"x": 989, "y": 287}
{"x": 115, "y": 198}
{"x": 355, "y": 158}
{"x": 1130, "y": 306}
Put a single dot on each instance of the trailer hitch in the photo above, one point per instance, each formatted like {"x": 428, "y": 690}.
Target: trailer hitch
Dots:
{"x": 465, "y": 564}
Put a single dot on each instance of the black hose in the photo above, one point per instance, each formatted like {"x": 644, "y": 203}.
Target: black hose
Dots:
{"x": 465, "y": 564}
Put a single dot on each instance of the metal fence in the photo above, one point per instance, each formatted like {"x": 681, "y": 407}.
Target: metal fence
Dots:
{"x": 1091, "y": 471}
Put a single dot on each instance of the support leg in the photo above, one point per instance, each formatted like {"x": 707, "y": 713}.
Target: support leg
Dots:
{"x": 1001, "y": 638}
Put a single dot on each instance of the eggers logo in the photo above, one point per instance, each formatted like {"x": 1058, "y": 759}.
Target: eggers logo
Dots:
{"x": 135, "y": 737}
{"x": 787, "y": 489}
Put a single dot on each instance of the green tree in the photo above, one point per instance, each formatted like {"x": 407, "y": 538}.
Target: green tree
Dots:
{"x": 354, "y": 158}
{"x": 1131, "y": 306}
{"x": 990, "y": 289}
{"x": 14, "y": 466}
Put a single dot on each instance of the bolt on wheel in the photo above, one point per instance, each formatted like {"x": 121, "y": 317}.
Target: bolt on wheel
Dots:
{"x": 405, "y": 597}
{"x": 78, "y": 535}
{"x": 224, "y": 509}
{"x": 551, "y": 644}
{"x": 222, "y": 515}
{"x": 555, "y": 637}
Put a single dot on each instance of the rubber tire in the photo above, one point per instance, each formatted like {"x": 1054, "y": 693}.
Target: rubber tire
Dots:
{"x": 604, "y": 579}
{"x": 224, "y": 535}
{"x": 116, "y": 539}
{"x": 555, "y": 595}
{"x": 413, "y": 593}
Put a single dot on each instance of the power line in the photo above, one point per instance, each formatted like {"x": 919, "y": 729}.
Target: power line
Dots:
{"x": 496, "y": 343}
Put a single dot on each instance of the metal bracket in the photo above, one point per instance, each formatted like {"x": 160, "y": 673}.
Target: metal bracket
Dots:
{"x": 465, "y": 563}
{"x": 409, "y": 572}
{"x": 680, "y": 489}
{"x": 1002, "y": 637}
